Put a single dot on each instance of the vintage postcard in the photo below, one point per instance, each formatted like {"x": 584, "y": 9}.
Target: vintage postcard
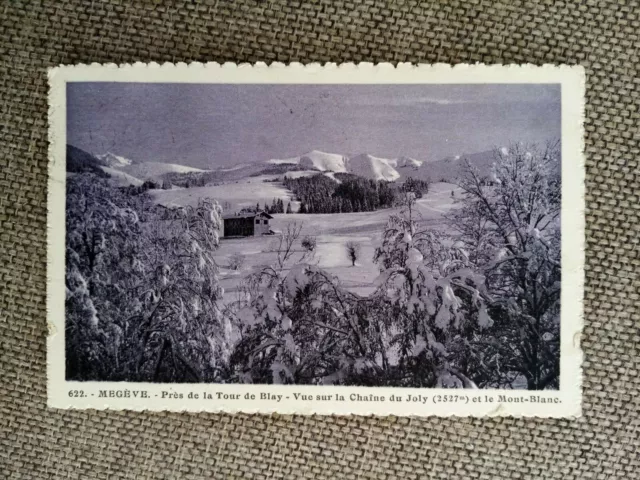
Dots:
{"x": 337, "y": 239}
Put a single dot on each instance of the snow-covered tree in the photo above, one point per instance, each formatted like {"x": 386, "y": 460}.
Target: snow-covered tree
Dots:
{"x": 274, "y": 335}
{"x": 102, "y": 259}
{"x": 185, "y": 335}
{"x": 434, "y": 300}
{"x": 290, "y": 332}
{"x": 142, "y": 292}
{"x": 511, "y": 229}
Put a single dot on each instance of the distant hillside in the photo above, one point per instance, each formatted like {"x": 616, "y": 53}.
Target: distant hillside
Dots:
{"x": 363, "y": 165}
{"x": 448, "y": 169}
{"x": 281, "y": 168}
{"x": 155, "y": 170}
{"x": 79, "y": 161}
{"x": 278, "y": 161}
{"x": 226, "y": 175}
{"x": 129, "y": 172}
{"x": 374, "y": 168}
{"x": 452, "y": 168}
{"x": 316, "y": 160}
{"x": 406, "y": 162}
{"x": 122, "y": 179}
{"x": 113, "y": 160}
{"x": 325, "y": 162}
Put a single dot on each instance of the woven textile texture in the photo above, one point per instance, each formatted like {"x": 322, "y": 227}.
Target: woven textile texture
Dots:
{"x": 37, "y": 443}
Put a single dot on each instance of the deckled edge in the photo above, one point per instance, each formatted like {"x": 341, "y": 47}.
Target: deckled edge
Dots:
{"x": 313, "y": 67}
{"x": 51, "y": 230}
{"x": 576, "y": 335}
{"x": 54, "y": 82}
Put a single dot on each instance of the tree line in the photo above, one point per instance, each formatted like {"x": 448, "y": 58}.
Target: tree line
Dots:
{"x": 348, "y": 193}
{"x": 202, "y": 179}
{"x": 277, "y": 206}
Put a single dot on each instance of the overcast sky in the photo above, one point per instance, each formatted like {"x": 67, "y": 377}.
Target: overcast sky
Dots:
{"x": 222, "y": 125}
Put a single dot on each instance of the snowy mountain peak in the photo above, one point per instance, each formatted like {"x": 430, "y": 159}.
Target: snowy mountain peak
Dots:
{"x": 364, "y": 165}
{"x": 331, "y": 162}
{"x": 113, "y": 160}
{"x": 376, "y": 168}
{"x": 316, "y": 160}
{"x": 403, "y": 162}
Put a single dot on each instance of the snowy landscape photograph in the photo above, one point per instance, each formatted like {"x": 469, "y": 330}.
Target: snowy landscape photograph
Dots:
{"x": 314, "y": 234}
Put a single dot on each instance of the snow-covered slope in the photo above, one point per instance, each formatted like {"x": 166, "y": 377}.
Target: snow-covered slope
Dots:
{"x": 243, "y": 193}
{"x": 364, "y": 165}
{"x": 397, "y": 169}
{"x": 406, "y": 162}
{"x": 79, "y": 161}
{"x": 153, "y": 170}
{"x": 448, "y": 169}
{"x": 113, "y": 160}
{"x": 317, "y": 160}
{"x": 278, "y": 161}
{"x": 325, "y": 162}
{"x": 120, "y": 178}
{"x": 332, "y": 176}
{"x": 368, "y": 166}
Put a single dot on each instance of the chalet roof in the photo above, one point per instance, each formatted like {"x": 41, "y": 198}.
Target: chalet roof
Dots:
{"x": 247, "y": 215}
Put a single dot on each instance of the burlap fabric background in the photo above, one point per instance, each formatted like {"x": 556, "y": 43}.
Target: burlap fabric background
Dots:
{"x": 601, "y": 35}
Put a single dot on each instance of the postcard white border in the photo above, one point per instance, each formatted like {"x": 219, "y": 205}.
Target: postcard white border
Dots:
{"x": 569, "y": 396}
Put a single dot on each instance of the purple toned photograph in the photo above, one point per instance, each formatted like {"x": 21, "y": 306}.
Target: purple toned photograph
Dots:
{"x": 314, "y": 234}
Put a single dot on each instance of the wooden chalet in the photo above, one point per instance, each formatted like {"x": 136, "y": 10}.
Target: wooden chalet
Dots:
{"x": 246, "y": 224}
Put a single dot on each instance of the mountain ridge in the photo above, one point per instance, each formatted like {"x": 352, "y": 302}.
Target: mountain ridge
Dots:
{"x": 365, "y": 165}
{"x": 114, "y": 161}
{"x": 375, "y": 168}
{"x": 392, "y": 169}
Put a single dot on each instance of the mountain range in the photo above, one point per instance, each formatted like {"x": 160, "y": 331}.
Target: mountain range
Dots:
{"x": 391, "y": 169}
{"x": 129, "y": 172}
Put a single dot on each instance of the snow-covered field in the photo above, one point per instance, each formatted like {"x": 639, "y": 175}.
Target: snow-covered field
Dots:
{"x": 332, "y": 232}
{"x": 154, "y": 170}
{"x": 233, "y": 196}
